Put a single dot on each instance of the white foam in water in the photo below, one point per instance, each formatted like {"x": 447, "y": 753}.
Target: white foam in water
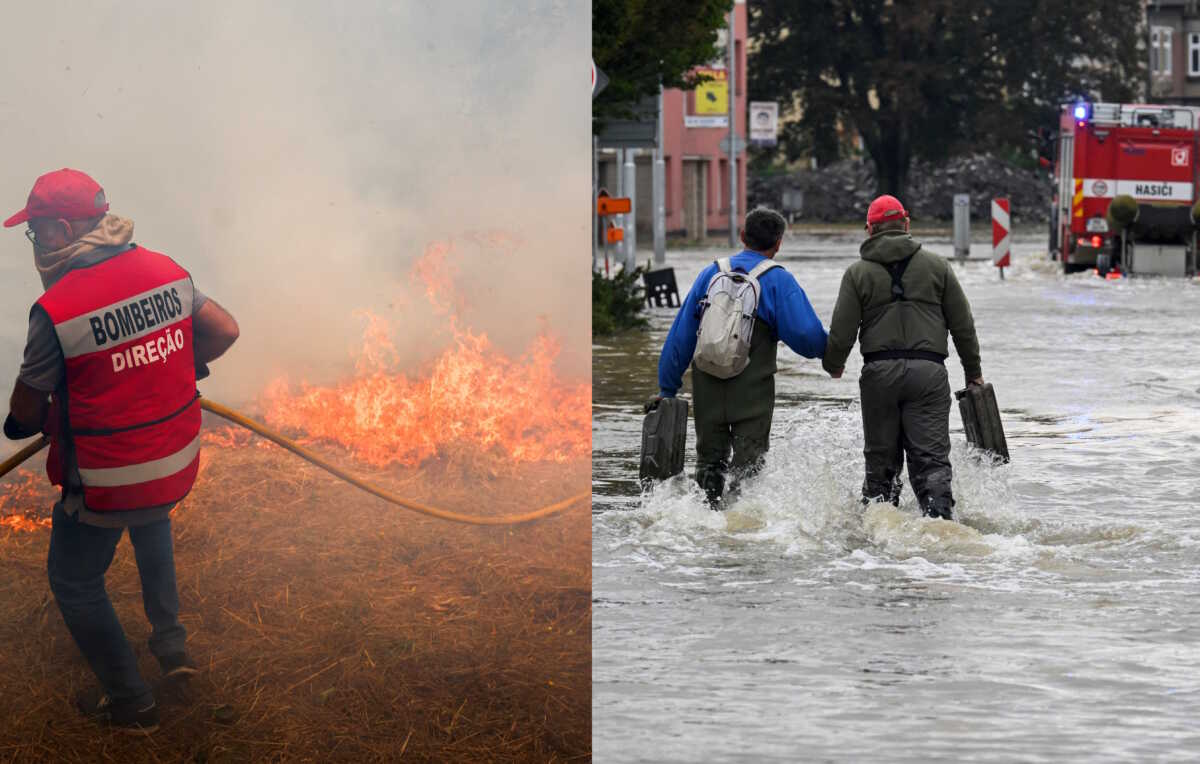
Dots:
{"x": 805, "y": 500}
{"x": 916, "y": 567}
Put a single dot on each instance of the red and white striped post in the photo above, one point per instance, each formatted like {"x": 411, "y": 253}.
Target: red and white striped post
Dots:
{"x": 1000, "y": 227}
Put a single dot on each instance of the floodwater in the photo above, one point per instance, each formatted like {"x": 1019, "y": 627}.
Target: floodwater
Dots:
{"x": 1057, "y": 622}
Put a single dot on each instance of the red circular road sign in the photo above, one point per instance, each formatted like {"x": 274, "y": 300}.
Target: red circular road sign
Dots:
{"x": 599, "y": 81}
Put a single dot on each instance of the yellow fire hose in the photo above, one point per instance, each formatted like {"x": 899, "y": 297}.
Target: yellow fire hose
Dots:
{"x": 304, "y": 453}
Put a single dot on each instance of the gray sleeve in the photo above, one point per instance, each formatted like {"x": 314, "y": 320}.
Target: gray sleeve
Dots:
{"x": 198, "y": 299}
{"x": 42, "y": 367}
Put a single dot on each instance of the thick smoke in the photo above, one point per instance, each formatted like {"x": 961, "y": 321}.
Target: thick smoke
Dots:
{"x": 298, "y": 157}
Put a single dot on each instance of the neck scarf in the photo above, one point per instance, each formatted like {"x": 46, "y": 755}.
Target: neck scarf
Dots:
{"x": 111, "y": 231}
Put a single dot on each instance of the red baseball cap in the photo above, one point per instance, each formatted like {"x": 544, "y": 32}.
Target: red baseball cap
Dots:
{"x": 885, "y": 207}
{"x": 66, "y": 194}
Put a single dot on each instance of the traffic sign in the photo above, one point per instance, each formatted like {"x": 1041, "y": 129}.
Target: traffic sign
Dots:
{"x": 640, "y": 131}
{"x": 739, "y": 144}
{"x": 764, "y": 122}
{"x": 1000, "y": 228}
{"x": 613, "y": 205}
{"x": 599, "y": 80}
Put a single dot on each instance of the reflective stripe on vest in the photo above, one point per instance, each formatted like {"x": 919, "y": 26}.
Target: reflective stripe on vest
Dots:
{"x": 78, "y": 335}
{"x": 131, "y": 412}
{"x": 167, "y": 466}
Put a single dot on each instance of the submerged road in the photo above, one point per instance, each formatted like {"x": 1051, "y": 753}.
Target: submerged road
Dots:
{"x": 1056, "y": 623}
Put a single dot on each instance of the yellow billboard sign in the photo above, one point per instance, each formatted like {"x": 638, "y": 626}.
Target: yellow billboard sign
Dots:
{"x": 712, "y": 95}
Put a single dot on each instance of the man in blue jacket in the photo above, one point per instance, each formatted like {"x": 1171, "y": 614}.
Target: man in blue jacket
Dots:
{"x": 735, "y": 414}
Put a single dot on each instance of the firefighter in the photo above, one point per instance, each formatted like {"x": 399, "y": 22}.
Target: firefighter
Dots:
{"x": 903, "y": 300}
{"x": 733, "y": 415}
{"x": 115, "y": 345}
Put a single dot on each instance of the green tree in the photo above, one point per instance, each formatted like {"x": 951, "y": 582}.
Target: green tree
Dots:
{"x": 1064, "y": 51}
{"x": 933, "y": 77}
{"x": 617, "y": 302}
{"x": 638, "y": 43}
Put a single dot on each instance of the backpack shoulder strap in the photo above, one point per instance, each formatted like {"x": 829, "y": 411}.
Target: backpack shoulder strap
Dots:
{"x": 897, "y": 269}
{"x": 757, "y": 271}
{"x": 723, "y": 267}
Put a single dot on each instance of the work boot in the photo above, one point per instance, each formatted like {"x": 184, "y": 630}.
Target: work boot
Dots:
{"x": 713, "y": 483}
{"x": 715, "y": 500}
{"x": 892, "y": 496}
{"x": 886, "y": 489}
{"x": 131, "y": 716}
{"x": 177, "y": 666}
{"x": 939, "y": 509}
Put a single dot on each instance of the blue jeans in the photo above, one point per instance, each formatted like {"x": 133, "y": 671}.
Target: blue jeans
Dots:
{"x": 79, "y": 557}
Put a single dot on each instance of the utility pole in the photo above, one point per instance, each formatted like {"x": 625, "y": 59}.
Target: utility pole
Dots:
{"x": 731, "y": 84}
{"x": 619, "y": 166}
{"x": 631, "y": 218}
{"x": 660, "y": 191}
{"x": 597, "y": 231}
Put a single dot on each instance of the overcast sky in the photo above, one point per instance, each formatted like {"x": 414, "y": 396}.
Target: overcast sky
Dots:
{"x": 298, "y": 156}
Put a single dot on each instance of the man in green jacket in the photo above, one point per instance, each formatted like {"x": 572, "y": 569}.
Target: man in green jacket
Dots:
{"x": 899, "y": 301}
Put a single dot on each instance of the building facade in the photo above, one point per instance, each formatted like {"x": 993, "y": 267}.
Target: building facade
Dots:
{"x": 1174, "y": 51}
{"x": 697, "y": 170}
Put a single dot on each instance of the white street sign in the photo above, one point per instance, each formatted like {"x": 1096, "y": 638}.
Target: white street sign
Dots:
{"x": 692, "y": 120}
{"x": 764, "y": 123}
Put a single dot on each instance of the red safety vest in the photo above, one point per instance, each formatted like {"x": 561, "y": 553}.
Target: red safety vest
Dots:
{"x": 131, "y": 412}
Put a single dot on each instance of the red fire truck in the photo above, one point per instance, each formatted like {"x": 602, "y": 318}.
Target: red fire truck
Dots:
{"x": 1144, "y": 151}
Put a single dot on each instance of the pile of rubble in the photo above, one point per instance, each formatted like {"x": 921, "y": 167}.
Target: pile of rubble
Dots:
{"x": 842, "y": 191}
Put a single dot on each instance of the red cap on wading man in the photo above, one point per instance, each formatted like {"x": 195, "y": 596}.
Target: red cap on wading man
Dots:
{"x": 886, "y": 207}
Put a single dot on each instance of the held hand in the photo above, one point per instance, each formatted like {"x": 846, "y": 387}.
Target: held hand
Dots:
{"x": 838, "y": 373}
{"x": 652, "y": 404}
{"x": 977, "y": 381}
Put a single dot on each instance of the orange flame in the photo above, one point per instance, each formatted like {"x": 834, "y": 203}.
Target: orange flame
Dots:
{"x": 472, "y": 396}
{"x": 23, "y": 524}
{"x": 23, "y": 496}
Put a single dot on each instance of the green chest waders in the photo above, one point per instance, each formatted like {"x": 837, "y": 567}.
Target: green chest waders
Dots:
{"x": 734, "y": 415}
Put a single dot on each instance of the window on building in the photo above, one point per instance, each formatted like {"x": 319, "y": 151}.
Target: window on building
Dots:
{"x": 1160, "y": 50}
{"x": 1194, "y": 54}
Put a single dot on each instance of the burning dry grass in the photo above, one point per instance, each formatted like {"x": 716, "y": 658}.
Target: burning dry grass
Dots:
{"x": 330, "y": 626}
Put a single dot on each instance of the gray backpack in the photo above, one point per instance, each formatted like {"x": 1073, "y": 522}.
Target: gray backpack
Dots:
{"x": 727, "y": 320}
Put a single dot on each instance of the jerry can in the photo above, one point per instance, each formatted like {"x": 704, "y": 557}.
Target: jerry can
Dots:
{"x": 981, "y": 419}
{"x": 664, "y": 438}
